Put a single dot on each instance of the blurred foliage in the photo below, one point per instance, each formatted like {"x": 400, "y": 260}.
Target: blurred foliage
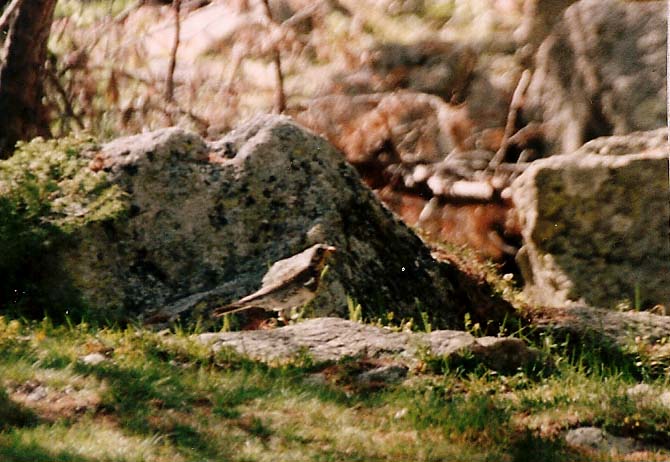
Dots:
{"x": 108, "y": 69}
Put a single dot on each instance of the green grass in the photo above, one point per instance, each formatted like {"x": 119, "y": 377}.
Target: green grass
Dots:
{"x": 168, "y": 398}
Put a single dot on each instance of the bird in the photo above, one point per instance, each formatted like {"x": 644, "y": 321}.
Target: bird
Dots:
{"x": 289, "y": 283}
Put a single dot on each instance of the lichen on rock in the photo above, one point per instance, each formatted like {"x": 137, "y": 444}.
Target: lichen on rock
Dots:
{"x": 595, "y": 223}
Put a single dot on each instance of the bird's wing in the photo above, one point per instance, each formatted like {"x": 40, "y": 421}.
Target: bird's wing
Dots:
{"x": 298, "y": 278}
{"x": 290, "y": 267}
{"x": 296, "y": 269}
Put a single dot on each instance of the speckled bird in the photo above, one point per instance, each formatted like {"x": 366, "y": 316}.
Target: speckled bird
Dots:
{"x": 289, "y": 284}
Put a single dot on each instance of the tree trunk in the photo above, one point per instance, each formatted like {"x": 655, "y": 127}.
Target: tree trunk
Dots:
{"x": 22, "y": 114}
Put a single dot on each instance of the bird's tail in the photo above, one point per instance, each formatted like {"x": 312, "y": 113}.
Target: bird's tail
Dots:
{"x": 231, "y": 308}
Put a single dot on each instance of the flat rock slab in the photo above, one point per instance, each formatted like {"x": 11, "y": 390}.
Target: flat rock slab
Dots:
{"x": 333, "y": 339}
{"x": 326, "y": 339}
{"x": 619, "y": 328}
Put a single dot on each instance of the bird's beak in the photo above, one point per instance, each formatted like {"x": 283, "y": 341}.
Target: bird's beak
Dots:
{"x": 328, "y": 251}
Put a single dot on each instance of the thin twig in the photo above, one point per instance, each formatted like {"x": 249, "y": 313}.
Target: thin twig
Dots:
{"x": 8, "y": 12}
{"x": 69, "y": 110}
{"x": 128, "y": 75}
{"x": 118, "y": 19}
{"x": 152, "y": 105}
{"x": 100, "y": 33}
{"x": 280, "y": 96}
{"x": 301, "y": 14}
{"x": 234, "y": 67}
{"x": 515, "y": 105}
{"x": 169, "y": 86}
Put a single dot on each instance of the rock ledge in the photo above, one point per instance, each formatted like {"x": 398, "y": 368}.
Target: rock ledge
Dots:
{"x": 333, "y": 339}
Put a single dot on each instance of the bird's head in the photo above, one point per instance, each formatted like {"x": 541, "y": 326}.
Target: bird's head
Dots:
{"x": 322, "y": 254}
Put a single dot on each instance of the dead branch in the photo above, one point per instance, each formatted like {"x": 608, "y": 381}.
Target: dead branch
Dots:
{"x": 301, "y": 14}
{"x": 123, "y": 15}
{"x": 169, "y": 85}
{"x": 69, "y": 109}
{"x": 149, "y": 81}
{"x": 175, "y": 107}
{"x": 515, "y": 105}
{"x": 280, "y": 96}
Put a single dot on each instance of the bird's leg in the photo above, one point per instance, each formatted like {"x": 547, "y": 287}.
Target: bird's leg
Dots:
{"x": 311, "y": 284}
{"x": 292, "y": 314}
{"x": 284, "y": 316}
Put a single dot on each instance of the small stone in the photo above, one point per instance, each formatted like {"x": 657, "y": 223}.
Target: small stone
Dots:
{"x": 504, "y": 354}
{"x": 586, "y": 437}
{"x": 400, "y": 414}
{"x": 393, "y": 373}
{"x": 38, "y": 394}
{"x": 317, "y": 379}
{"x": 596, "y": 439}
{"x": 664, "y": 399}
{"x": 641, "y": 390}
{"x": 93, "y": 359}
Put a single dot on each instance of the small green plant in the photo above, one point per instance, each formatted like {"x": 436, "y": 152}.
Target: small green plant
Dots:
{"x": 355, "y": 310}
{"x": 226, "y": 323}
{"x": 299, "y": 314}
{"x": 473, "y": 328}
{"x": 637, "y": 305}
{"x": 425, "y": 321}
{"x": 259, "y": 429}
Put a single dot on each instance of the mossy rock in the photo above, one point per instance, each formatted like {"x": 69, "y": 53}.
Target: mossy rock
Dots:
{"x": 47, "y": 195}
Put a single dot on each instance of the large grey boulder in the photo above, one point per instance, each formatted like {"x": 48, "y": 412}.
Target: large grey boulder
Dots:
{"x": 201, "y": 223}
{"x": 595, "y": 224}
{"x": 601, "y": 72}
